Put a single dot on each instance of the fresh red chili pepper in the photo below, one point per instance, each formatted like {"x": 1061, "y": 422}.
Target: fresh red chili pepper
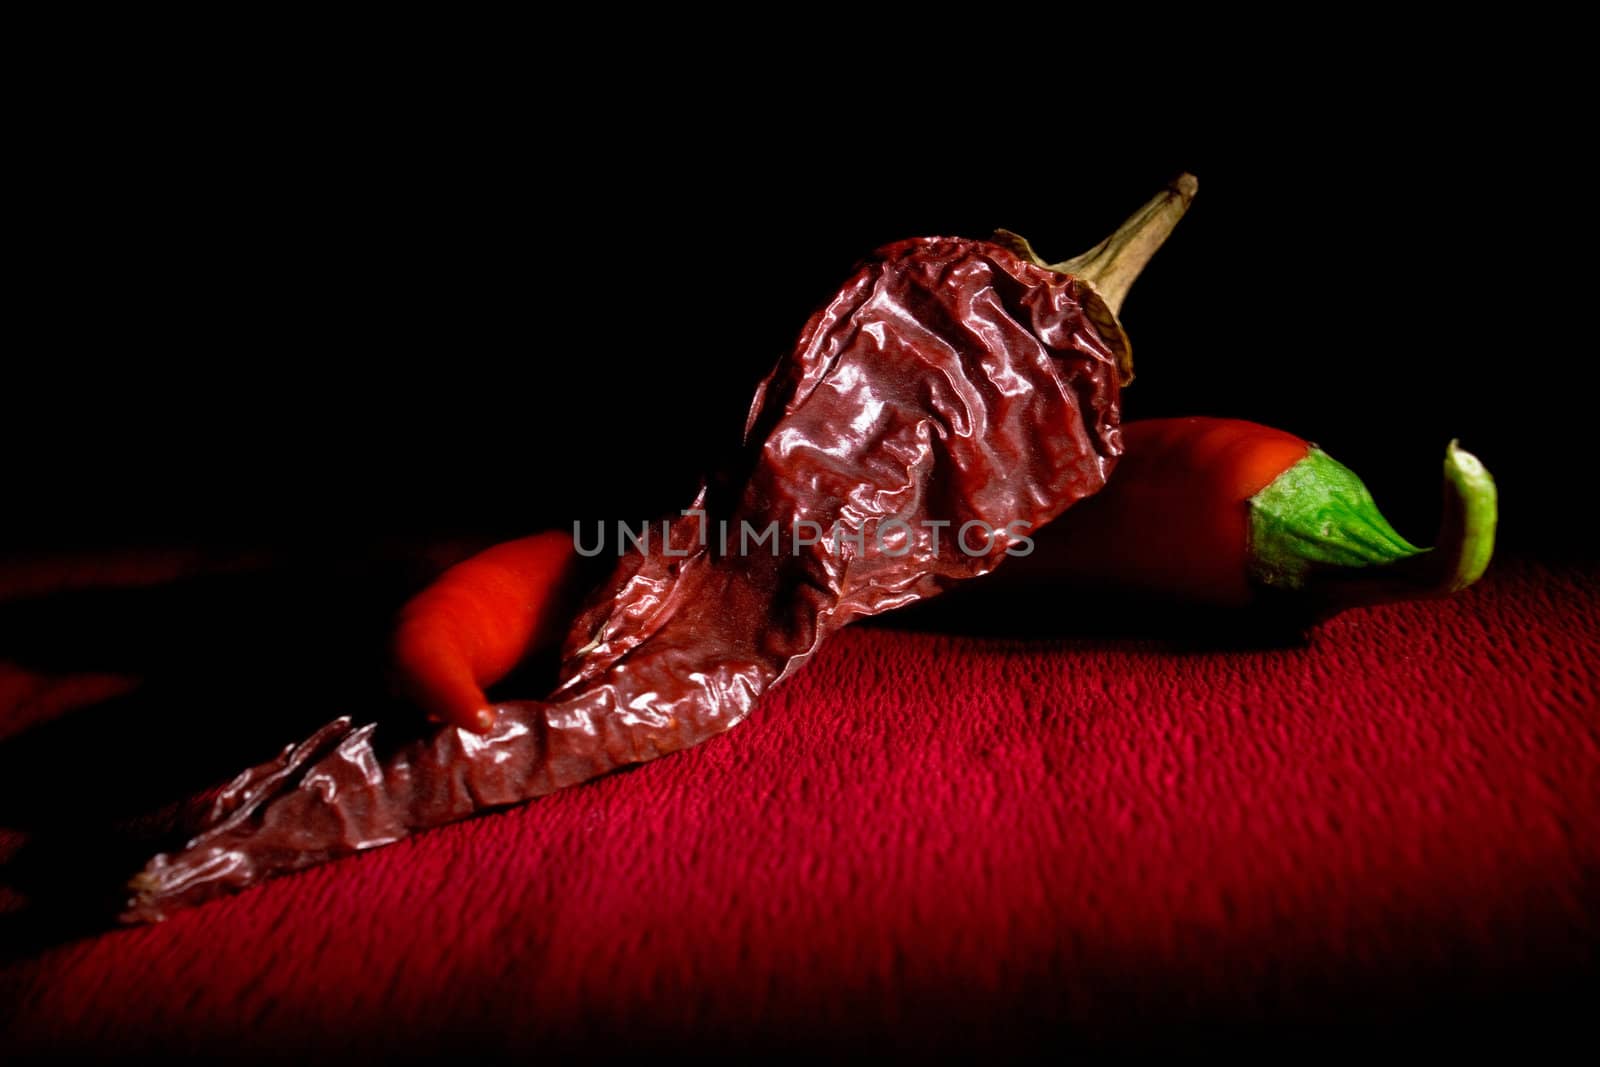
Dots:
{"x": 949, "y": 384}
{"x": 478, "y": 620}
{"x": 1219, "y": 511}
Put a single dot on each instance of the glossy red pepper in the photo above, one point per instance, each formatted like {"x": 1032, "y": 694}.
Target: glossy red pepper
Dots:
{"x": 478, "y": 620}
{"x": 1222, "y": 512}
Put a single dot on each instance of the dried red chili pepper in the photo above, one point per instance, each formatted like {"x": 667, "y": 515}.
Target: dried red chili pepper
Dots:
{"x": 1221, "y": 512}
{"x": 949, "y": 383}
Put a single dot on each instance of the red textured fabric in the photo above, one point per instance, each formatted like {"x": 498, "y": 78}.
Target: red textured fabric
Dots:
{"x": 936, "y": 843}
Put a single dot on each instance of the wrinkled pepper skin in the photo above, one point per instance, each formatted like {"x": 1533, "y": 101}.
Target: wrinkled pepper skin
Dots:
{"x": 948, "y": 381}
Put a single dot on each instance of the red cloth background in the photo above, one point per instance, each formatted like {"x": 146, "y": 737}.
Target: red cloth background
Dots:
{"x": 936, "y": 843}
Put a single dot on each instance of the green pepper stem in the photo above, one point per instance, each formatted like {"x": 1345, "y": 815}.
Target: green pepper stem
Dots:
{"x": 1466, "y": 531}
{"x": 1460, "y": 555}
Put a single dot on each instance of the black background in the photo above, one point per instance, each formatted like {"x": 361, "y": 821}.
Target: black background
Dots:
{"x": 270, "y": 315}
